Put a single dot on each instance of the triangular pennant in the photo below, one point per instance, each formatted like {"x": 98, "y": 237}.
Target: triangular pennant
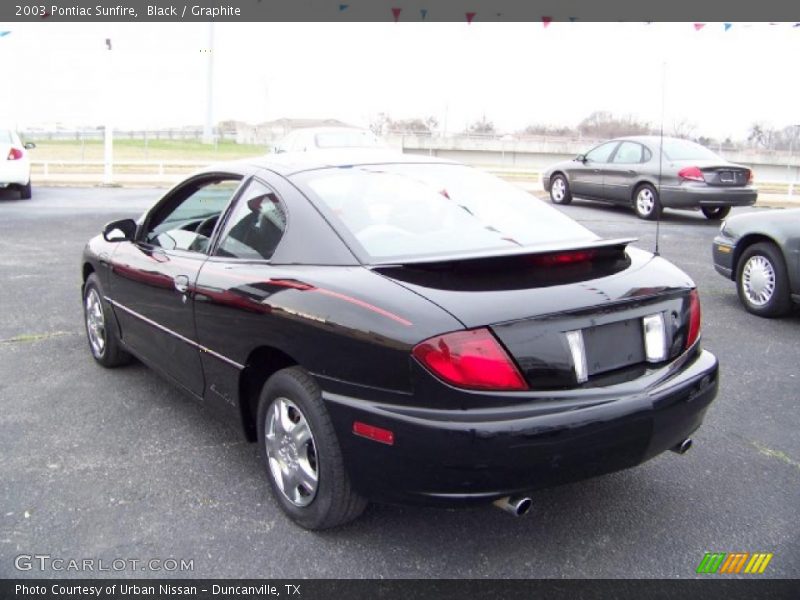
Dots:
{"x": 423, "y": 12}
{"x": 699, "y": 26}
{"x": 728, "y": 26}
{"x": 470, "y": 16}
{"x": 396, "y": 12}
{"x": 4, "y": 33}
{"x": 546, "y": 21}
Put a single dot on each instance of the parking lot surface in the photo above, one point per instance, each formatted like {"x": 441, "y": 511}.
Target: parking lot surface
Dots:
{"x": 117, "y": 464}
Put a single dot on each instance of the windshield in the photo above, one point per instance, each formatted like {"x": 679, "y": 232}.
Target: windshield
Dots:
{"x": 429, "y": 210}
{"x": 685, "y": 150}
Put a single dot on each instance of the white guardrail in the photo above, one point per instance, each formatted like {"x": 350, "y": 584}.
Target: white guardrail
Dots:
{"x": 144, "y": 172}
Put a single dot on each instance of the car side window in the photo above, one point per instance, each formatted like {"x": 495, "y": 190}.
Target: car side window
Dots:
{"x": 255, "y": 226}
{"x": 187, "y": 221}
{"x": 602, "y": 153}
{"x": 628, "y": 153}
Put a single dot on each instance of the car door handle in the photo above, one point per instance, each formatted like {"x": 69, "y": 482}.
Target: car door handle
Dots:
{"x": 181, "y": 283}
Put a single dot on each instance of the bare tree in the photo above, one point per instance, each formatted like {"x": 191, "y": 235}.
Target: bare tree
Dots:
{"x": 482, "y": 126}
{"x": 683, "y": 129}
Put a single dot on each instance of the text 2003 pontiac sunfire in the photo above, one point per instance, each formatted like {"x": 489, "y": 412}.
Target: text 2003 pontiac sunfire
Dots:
{"x": 401, "y": 329}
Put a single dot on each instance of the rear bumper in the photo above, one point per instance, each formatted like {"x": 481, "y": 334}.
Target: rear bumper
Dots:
{"x": 443, "y": 457}
{"x": 14, "y": 172}
{"x": 691, "y": 196}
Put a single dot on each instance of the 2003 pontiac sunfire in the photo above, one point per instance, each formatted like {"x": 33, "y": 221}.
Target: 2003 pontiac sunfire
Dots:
{"x": 401, "y": 329}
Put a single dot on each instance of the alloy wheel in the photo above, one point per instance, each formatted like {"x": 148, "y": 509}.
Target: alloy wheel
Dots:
{"x": 291, "y": 452}
{"x": 559, "y": 189}
{"x": 95, "y": 322}
{"x": 645, "y": 201}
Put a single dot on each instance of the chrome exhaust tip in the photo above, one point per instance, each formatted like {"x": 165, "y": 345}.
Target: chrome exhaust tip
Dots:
{"x": 683, "y": 447}
{"x": 514, "y": 505}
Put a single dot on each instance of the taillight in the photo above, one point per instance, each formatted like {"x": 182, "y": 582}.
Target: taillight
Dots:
{"x": 691, "y": 173}
{"x": 749, "y": 176}
{"x": 14, "y": 154}
{"x": 470, "y": 359}
{"x": 694, "y": 319}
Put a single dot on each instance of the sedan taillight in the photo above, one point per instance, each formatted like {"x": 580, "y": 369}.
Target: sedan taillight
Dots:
{"x": 694, "y": 319}
{"x": 470, "y": 359}
{"x": 14, "y": 154}
{"x": 691, "y": 174}
{"x": 749, "y": 176}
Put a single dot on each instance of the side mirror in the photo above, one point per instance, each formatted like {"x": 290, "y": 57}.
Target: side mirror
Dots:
{"x": 581, "y": 158}
{"x": 30, "y": 146}
{"x": 123, "y": 230}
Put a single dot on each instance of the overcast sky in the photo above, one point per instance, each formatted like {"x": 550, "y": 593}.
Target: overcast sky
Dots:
{"x": 516, "y": 73}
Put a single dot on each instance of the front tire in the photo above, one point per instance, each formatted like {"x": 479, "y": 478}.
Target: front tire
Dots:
{"x": 715, "y": 213}
{"x": 646, "y": 203}
{"x": 302, "y": 455}
{"x": 559, "y": 190}
{"x": 25, "y": 191}
{"x": 101, "y": 327}
{"x": 762, "y": 281}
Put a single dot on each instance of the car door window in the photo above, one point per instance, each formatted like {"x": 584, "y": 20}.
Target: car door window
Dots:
{"x": 255, "y": 226}
{"x": 602, "y": 153}
{"x": 628, "y": 153}
{"x": 187, "y": 220}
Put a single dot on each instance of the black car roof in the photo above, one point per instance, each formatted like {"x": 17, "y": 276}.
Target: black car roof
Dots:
{"x": 289, "y": 163}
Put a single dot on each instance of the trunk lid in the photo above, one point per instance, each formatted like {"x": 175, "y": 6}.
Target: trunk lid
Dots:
{"x": 531, "y": 301}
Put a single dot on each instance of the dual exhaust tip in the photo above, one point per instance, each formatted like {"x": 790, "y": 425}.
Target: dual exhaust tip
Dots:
{"x": 519, "y": 506}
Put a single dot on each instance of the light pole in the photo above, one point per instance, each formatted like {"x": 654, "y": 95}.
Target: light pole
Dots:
{"x": 789, "y": 175}
{"x": 108, "y": 150}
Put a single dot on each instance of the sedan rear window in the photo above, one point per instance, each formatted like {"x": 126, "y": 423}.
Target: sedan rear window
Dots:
{"x": 429, "y": 210}
{"x": 686, "y": 150}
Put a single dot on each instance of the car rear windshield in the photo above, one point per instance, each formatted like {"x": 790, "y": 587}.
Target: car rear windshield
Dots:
{"x": 417, "y": 211}
{"x": 685, "y": 150}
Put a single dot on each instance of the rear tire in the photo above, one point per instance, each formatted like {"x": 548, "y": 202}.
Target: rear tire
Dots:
{"x": 715, "y": 213}
{"x": 646, "y": 203}
{"x": 762, "y": 281}
{"x": 308, "y": 478}
{"x": 25, "y": 191}
{"x": 101, "y": 326}
{"x": 559, "y": 190}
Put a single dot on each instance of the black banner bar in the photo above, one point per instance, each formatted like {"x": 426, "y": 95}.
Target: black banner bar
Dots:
{"x": 544, "y": 11}
{"x": 412, "y": 589}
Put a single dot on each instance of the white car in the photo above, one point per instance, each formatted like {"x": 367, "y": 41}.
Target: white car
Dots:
{"x": 15, "y": 164}
{"x": 325, "y": 138}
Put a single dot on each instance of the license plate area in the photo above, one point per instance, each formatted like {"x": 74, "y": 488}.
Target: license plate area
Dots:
{"x": 727, "y": 177}
{"x": 614, "y": 346}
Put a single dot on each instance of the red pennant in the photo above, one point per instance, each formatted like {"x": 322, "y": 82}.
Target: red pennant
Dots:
{"x": 699, "y": 26}
{"x": 396, "y": 12}
{"x": 470, "y": 16}
{"x": 546, "y": 21}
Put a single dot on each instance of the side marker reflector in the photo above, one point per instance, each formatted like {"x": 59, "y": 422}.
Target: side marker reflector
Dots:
{"x": 376, "y": 434}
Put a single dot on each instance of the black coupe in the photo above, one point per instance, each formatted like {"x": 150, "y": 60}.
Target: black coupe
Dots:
{"x": 401, "y": 329}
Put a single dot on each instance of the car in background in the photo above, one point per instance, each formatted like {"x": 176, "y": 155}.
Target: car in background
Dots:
{"x": 627, "y": 171}
{"x": 310, "y": 139}
{"x": 444, "y": 339}
{"x": 760, "y": 251}
{"x": 15, "y": 164}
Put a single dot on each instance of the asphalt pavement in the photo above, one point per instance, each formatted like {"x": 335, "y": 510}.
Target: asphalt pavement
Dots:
{"x": 117, "y": 464}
